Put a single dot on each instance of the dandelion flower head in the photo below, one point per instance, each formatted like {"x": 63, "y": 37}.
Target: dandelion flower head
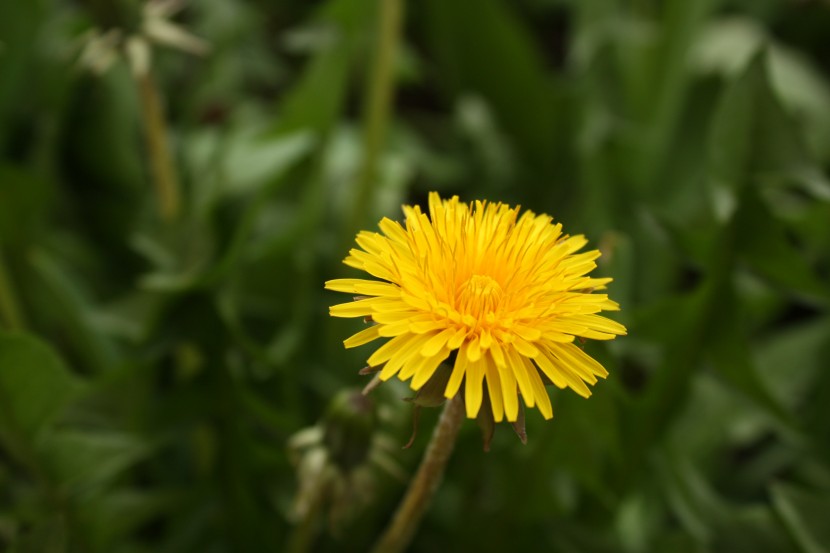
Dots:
{"x": 499, "y": 296}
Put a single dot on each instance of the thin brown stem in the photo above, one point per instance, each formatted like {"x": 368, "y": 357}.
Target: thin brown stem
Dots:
{"x": 402, "y": 529}
{"x": 163, "y": 170}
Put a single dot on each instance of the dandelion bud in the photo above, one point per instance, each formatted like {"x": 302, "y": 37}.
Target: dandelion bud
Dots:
{"x": 348, "y": 426}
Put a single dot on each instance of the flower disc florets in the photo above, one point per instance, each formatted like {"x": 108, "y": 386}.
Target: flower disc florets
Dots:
{"x": 506, "y": 294}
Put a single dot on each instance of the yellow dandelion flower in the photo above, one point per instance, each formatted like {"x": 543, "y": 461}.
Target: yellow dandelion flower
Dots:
{"x": 505, "y": 295}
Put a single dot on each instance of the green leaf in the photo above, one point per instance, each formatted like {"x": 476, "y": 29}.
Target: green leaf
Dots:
{"x": 727, "y": 45}
{"x": 754, "y": 142}
{"x": 110, "y": 518}
{"x": 18, "y": 27}
{"x": 711, "y": 418}
{"x": 692, "y": 499}
{"x": 72, "y": 310}
{"x": 83, "y": 461}
{"x": 583, "y": 438}
{"x": 751, "y": 529}
{"x": 762, "y": 241}
{"x": 23, "y": 202}
{"x": 106, "y": 190}
{"x": 792, "y": 359}
{"x": 493, "y": 54}
{"x": 729, "y": 351}
{"x": 316, "y": 100}
{"x": 35, "y": 386}
{"x": 804, "y": 514}
{"x": 48, "y": 535}
{"x": 254, "y": 159}
{"x": 664, "y": 89}
{"x": 683, "y": 342}
{"x": 313, "y": 106}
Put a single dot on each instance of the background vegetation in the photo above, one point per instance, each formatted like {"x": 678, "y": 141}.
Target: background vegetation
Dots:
{"x": 153, "y": 369}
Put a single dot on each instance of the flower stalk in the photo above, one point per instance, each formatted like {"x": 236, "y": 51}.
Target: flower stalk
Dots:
{"x": 163, "y": 170}
{"x": 422, "y": 488}
{"x": 379, "y": 98}
{"x": 152, "y": 25}
{"x": 302, "y": 539}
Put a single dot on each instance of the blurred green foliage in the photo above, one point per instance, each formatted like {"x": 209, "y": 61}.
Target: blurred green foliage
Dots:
{"x": 152, "y": 373}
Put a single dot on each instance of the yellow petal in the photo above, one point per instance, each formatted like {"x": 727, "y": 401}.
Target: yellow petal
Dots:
{"x": 457, "y": 338}
{"x": 387, "y": 350}
{"x": 411, "y": 365}
{"x": 458, "y": 372}
{"x": 486, "y": 339}
{"x": 516, "y": 364}
{"x": 524, "y": 347}
{"x": 359, "y": 308}
{"x": 508, "y": 390}
{"x": 594, "y": 335}
{"x": 474, "y": 349}
{"x": 575, "y": 243}
{"x": 389, "y": 317}
{"x": 597, "y": 322}
{"x": 574, "y": 356}
{"x": 393, "y": 230}
{"x": 363, "y": 287}
{"x": 539, "y": 391}
{"x": 437, "y": 342}
{"x": 494, "y": 389}
{"x": 573, "y": 380}
{"x": 421, "y": 327}
{"x": 472, "y": 390}
{"x": 547, "y": 363}
{"x": 401, "y": 356}
{"x": 428, "y": 368}
{"x": 394, "y": 329}
{"x": 498, "y": 354}
{"x": 362, "y": 337}
{"x": 528, "y": 333}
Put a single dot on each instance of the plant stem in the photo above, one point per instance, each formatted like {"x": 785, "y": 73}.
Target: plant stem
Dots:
{"x": 379, "y": 97}
{"x": 304, "y": 533}
{"x": 414, "y": 504}
{"x": 10, "y": 313}
{"x": 163, "y": 170}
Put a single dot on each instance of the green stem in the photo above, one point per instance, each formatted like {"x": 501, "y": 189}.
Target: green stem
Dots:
{"x": 165, "y": 180}
{"x": 402, "y": 529}
{"x": 10, "y": 313}
{"x": 379, "y": 98}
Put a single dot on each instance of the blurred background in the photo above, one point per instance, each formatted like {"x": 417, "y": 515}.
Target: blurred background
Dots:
{"x": 178, "y": 181}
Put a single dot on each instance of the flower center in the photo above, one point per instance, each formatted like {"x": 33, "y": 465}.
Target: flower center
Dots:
{"x": 479, "y": 295}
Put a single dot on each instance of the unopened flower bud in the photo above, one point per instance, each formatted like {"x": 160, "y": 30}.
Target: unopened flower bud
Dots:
{"x": 347, "y": 429}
